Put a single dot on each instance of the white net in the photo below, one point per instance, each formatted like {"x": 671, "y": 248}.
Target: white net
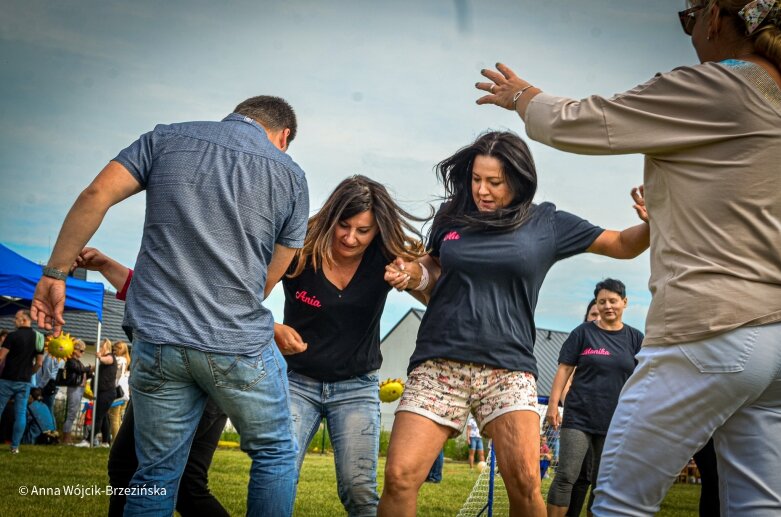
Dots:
{"x": 485, "y": 499}
{"x": 489, "y": 495}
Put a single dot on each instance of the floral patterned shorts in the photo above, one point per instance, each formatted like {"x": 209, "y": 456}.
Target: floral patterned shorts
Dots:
{"x": 446, "y": 391}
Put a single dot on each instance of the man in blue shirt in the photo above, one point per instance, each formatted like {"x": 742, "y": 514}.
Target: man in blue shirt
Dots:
{"x": 226, "y": 209}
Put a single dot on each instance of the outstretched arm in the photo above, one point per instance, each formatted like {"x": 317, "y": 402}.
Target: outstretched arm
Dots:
{"x": 506, "y": 90}
{"x": 628, "y": 243}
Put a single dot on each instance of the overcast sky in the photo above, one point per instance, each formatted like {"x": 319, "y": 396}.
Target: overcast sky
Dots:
{"x": 383, "y": 89}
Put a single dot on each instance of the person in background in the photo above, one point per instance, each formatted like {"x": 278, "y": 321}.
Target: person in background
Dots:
{"x": 435, "y": 474}
{"x": 602, "y": 355}
{"x": 104, "y": 394}
{"x": 47, "y": 377}
{"x": 22, "y": 357}
{"x": 581, "y": 485}
{"x": 40, "y": 419}
{"x": 117, "y": 411}
{"x": 75, "y": 378}
{"x": 475, "y": 442}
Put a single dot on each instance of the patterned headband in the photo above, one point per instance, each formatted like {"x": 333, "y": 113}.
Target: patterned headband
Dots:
{"x": 758, "y": 11}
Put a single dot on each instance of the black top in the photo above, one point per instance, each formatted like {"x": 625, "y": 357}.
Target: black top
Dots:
{"x": 21, "y": 355}
{"x": 604, "y": 359}
{"x": 482, "y": 308}
{"x": 107, "y": 375}
{"x": 75, "y": 371}
{"x": 342, "y": 328}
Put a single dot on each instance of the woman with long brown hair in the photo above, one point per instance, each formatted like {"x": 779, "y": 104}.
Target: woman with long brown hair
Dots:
{"x": 334, "y": 296}
{"x": 491, "y": 248}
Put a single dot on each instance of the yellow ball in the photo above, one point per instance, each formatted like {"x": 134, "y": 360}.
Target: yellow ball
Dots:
{"x": 391, "y": 389}
{"x": 61, "y": 346}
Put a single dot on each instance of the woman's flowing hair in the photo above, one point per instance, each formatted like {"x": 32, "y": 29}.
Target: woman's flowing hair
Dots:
{"x": 455, "y": 173}
{"x": 356, "y": 194}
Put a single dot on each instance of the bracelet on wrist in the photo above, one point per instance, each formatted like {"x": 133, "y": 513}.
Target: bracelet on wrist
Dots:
{"x": 424, "y": 278}
{"x": 519, "y": 93}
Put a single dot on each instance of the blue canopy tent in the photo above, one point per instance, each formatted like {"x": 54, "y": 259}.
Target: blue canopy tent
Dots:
{"x": 18, "y": 278}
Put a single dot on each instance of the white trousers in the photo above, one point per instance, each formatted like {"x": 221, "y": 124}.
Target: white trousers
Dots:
{"x": 728, "y": 387}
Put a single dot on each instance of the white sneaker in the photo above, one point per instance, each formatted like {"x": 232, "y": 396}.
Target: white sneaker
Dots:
{"x": 83, "y": 443}
{"x": 105, "y": 445}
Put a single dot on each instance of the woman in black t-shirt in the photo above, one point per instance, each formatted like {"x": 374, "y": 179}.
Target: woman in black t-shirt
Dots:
{"x": 491, "y": 248}
{"x": 334, "y": 296}
{"x": 604, "y": 353}
{"x": 106, "y": 390}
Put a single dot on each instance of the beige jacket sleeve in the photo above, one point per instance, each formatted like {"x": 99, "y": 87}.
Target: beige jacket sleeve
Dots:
{"x": 671, "y": 111}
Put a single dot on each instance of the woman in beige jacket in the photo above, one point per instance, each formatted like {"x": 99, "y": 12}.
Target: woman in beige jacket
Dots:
{"x": 711, "y": 361}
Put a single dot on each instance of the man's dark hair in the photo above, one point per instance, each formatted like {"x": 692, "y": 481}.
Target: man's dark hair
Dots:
{"x": 273, "y": 113}
{"x": 612, "y": 285}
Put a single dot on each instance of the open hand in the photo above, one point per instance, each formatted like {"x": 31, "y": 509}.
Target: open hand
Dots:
{"x": 503, "y": 85}
{"x": 48, "y": 304}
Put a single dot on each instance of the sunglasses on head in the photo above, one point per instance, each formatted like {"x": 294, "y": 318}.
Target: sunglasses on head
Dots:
{"x": 688, "y": 18}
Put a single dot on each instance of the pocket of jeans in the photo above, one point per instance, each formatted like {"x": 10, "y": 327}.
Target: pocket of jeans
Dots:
{"x": 146, "y": 368}
{"x": 726, "y": 353}
{"x": 236, "y": 372}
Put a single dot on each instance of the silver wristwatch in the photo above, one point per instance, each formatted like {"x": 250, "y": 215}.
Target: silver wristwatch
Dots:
{"x": 55, "y": 273}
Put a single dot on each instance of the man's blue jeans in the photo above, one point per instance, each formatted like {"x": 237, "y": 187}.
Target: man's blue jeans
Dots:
{"x": 352, "y": 411}
{"x": 20, "y": 391}
{"x": 169, "y": 385}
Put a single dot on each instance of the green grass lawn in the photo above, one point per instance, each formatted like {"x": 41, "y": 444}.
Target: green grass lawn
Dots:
{"x": 56, "y": 466}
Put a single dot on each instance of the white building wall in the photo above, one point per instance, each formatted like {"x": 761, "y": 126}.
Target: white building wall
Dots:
{"x": 397, "y": 347}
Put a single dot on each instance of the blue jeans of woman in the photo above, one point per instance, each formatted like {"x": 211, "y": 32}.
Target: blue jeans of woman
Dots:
{"x": 352, "y": 411}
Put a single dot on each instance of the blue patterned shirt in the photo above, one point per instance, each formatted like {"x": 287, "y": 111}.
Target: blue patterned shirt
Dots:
{"x": 219, "y": 195}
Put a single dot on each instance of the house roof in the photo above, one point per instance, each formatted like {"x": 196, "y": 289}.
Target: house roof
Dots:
{"x": 84, "y": 325}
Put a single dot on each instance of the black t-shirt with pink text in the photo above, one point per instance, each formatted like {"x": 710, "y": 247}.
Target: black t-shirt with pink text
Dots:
{"x": 482, "y": 307}
{"x": 342, "y": 328}
{"x": 604, "y": 360}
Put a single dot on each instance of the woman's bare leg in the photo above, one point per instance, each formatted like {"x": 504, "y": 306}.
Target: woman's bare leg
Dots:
{"x": 516, "y": 437}
{"x": 415, "y": 443}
